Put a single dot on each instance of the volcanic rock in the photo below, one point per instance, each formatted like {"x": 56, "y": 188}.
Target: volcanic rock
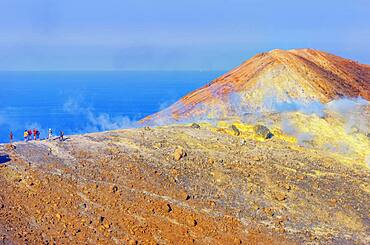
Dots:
{"x": 262, "y": 131}
{"x": 236, "y": 130}
{"x": 179, "y": 153}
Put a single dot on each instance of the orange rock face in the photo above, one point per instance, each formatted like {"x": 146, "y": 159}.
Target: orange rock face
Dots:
{"x": 304, "y": 74}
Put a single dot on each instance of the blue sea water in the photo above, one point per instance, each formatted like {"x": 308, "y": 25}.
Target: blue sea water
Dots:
{"x": 80, "y": 102}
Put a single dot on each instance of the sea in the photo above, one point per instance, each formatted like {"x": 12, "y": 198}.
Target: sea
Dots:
{"x": 78, "y": 102}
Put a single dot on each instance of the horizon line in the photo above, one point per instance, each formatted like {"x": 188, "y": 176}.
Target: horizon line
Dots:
{"x": 111, "y": 70}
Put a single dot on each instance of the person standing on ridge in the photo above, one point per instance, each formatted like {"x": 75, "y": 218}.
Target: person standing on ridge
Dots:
{"x": 11, "y": 137}
{"x": 29, "y": 133}
{"x": 34, "y": 133}
{"x": 37, "y": 134}
{"x": 50, "y": 133}
{"x": 25, "y": 135}
{"x": 61, "y": 136}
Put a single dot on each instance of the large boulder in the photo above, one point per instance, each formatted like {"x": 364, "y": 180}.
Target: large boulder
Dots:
{"x": 263, "y": 131}
{"x": 179, "y": 153}
{"x": 235, "y": 130}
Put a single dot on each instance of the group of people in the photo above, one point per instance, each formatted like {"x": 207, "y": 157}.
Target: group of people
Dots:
{"x": 35, "y": 135}
{"x": 29, "y": 134}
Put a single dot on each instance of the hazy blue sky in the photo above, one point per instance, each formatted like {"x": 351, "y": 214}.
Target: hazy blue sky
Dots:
{"x": 174, "y": 34}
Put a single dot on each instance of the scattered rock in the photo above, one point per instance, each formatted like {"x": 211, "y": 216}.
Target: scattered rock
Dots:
{"x": 106, "y": 225}
{"x": 10, "y": 147}
{"x": 114, "y": 189}
{"x": 212, "y": 203}
{"x": 256, "y": 158}
{"x": 179, "y": 153}
{"x": 287, "y": 187}
{"x": 333, "y": 202}
{"x": 280, "y": 196}
{"x": 263, "y": 131}
{"x": 243, "y": 142}
{"x": 235, "y": 129}
{"x": 167, "y": 208}
{"x": 147, "y": 128}
{"x": 185, "y": 196}
{"x": 195, "y": 125}
{"x": 101, "y": 219}
{"x": 58, "y": 216}
{"x": 300, "y": 177}
{"x": 132, "y": 242}
{"x": 191, "y": 221}
{"x": 211, "y": 161}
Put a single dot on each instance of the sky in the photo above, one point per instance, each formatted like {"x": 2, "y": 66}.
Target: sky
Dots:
{"x": 174, "y": 35}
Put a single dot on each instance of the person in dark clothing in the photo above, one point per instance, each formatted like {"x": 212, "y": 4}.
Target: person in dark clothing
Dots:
{"x": 11, "y": 137}
{"x": 61, "y": 136}
{"x": 29, "y": 133}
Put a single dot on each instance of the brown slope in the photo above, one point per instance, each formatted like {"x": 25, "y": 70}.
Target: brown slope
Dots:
{"x": 126, "y": 187}
{"x": 303, "y": 74}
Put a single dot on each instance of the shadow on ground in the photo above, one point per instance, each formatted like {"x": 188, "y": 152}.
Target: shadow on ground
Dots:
{"x": 4, "y": 159}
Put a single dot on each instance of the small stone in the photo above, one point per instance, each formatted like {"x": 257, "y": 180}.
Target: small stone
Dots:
{"x": 332, "y": 202}
{"x": 10, "y": 147}
{"x": 167, "y": 208}
{"x": 280, "y": 196}
{"x": 179, "y": 153}
{"x": 300, "y": 177}
{"x": 114, "y": 189}
{"x": 101, "y": 219}
{"x": 256, "y": 158}
{"x": 211, "y": 161}
{"x": 191, "y": 221}
{"x": 58, "y": 216}
{"x": 106, "y": 225}
{"x": 132, "y": 242}
{"x": 185, "y": 196}
{"x": 287, "y": 187}
{"x": 195, "y": 125}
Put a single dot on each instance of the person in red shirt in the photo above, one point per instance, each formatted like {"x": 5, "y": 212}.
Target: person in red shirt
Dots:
{"x": 34, "y": 133}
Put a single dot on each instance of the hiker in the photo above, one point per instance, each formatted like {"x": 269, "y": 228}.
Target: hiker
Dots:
{"x": 50, "y": 133}
{"x": 25, "y": 135}
{"x": 37, "y": 134}
{"x": 34, "y": 133}
{"x": 11, "y": 137}
{"x": 29, "y": 133}
{"x": 61, "y": 136}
